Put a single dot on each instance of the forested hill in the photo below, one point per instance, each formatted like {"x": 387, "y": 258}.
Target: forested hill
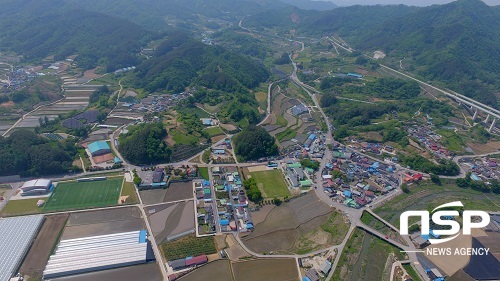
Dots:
{"x": 37, "y": 29}
{"x": 458, "y": 43}
{"x": 179, "y": 61}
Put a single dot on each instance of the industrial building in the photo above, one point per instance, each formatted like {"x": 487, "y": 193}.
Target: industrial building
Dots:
{"x": 16, "y": 237}
{"x": 36, "y": 187}
{"x": 75, "y": 256}
{"x": 99, "y": 148}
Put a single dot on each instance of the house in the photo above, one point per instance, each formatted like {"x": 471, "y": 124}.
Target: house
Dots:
{"x": 326, "y": 267}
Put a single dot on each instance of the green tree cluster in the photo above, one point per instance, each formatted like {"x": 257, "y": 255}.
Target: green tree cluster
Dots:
{"x": 27, "y": 154}
{"x": 468, "y": 182}
{"x": 308, "y": 163}
{"x": 253, "y": 143}
{"x": 253, "y": 192}
{"x": 417, "y": 162}
{"x": 144, "y": 144}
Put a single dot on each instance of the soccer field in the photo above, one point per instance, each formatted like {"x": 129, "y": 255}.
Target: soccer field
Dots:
{"x": 271, "y": 182}
{"x": 82, "y": 195}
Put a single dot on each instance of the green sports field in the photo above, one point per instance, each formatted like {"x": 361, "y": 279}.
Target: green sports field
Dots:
{"x": 82, "y": 195}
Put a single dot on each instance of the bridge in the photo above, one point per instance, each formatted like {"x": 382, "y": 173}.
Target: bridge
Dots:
{"x": 461, "y": 99}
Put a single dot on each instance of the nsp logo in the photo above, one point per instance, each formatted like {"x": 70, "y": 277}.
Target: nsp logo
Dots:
{"x": 437, "y": 218}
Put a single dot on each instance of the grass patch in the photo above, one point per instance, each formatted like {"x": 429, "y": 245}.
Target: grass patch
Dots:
{"x": 86, "y": 161}
{"x": 129, "y": 190}
{"x": 81, "y": 195}
{"x": 411, "y": 271}
{"x": 286, "y": 135}
{"x": 272, "y": 183}
{"x": 214, "y": 131}
{"x": 188, "y": 246}
{"x": 203, "y": 172}
{"x": 452, "y": 141}
{"x": 194, "y": 110}
{"x": 21, "y": 207}
{"x": 181, "y": 138}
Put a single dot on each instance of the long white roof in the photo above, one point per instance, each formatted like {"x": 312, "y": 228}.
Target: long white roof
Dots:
{"x": 16, "y": 235}
{"x": 96, "y": 252}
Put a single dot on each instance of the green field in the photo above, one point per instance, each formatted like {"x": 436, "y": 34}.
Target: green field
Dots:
{"x": 188, "y": 246}
{"x": 203, "y": 172}
{"x": 129, "y": 190}
{"x": 272, "y": 183}
{"x": 81, "y": 195}
{"x": 21, "y": 207}
{"x": 214, "y": 131}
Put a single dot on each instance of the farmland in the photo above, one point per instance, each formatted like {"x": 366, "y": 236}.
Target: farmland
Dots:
{"x": 301, "y": 226}
{"x": 21, "y": 207}
{"x": 266, "y": 269}
{"x": 37, "y": 257}
{"x": 214, "y": 131}
{"x": 365, "y": 255}
{"x": 271, "y": 182}
{"x": 203, "y": 172}
{"x": 171, "y": 219}
{"x": 427, "y": 195}
{"x": 217, "y": 270}
{"x": 188, "y": 246}
{"x": 81, "y": 195}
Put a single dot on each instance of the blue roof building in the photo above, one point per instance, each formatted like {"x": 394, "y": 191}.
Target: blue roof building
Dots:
{"x": 347, "y": 194}
{"x": 99, "y": 148}
{"x": 355, "y": 75}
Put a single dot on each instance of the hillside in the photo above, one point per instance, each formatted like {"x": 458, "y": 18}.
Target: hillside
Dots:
{"x": 179, "y": 61}
{"x": 37, "y": 29}
{"x": 457, "y": 43}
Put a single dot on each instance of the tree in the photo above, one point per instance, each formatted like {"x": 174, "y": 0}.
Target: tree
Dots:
{"x": 144, "y": 144}
{"x": 336, "y": 174}
{"x": 277, "y": 201}
{"x": 137, "y": 180}
{"x": 435, "y": 179}
{"x": 254, "y": 143}
{"x": 404, "y": 188}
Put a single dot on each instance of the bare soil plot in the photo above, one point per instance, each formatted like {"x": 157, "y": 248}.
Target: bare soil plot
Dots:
{"x": 172, "y": 220}
{"x": 293, "y": 227}
{"x": 489, "y": 147}
{"x": 143, "y": 272}
{"x": 103, "y": 222}
{"x": 266, "y": 269}
{"x": 153, "y": 196}
{"x": 39, "y": 253}
{"x": 261, "y": 215}
{"x": 234, "y": 249}
{"x": 179, "y": 191}
{"x": 217, "y": 270}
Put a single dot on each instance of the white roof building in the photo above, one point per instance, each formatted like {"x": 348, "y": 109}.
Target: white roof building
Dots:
{"x": 16, "y": 236}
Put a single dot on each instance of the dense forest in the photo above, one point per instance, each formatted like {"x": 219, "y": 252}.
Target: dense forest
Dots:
{"x": 420, "y": 163}
{"x": 144, "y": 144}
{"x": 179, "y": 61}
{"x": 253, "y": 143}
{"x": 29, "y": 155}
{"x": 37, "y": 29}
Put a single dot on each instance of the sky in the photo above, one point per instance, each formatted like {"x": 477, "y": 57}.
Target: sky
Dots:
{"x": 406, "y": 2}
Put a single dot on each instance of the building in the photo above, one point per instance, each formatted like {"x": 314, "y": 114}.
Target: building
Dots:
{"x": 16, "y": 236}
{"x": 158, "y": 175}
{"x": 74, "y": 256}
{"x": 36, "y": 187}
{"x": 355, "y": 75}
{"x": 309, "y": 140}
{"x": 99, "y": 148}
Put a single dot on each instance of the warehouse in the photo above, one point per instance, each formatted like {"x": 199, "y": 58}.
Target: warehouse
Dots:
{"x": 99, "y": 148}
{"x": 75, "y": 256}
{"x": 36, "y": 187}
{"x": 16, "y": 236}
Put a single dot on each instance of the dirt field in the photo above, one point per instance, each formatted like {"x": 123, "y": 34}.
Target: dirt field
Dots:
{"x": 217, "y": 270}
{"x": 39, "y": 253}
{"x": 103, "y": 222}
{"x": 171, "y": 220}
{"x": 175, "y": 192}
{"x": 260, "y": 215}
{"x": 489, "y": 147}
{"x": 293, "y": 227}
{"x": 266, "y": 269}
{"x": 143, "y": 272}
{"x": 234, "y": 250}
{"x": 257, "y": 168}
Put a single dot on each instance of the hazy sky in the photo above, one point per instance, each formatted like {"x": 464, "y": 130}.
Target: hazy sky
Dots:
{"x": 406, "y": 2}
